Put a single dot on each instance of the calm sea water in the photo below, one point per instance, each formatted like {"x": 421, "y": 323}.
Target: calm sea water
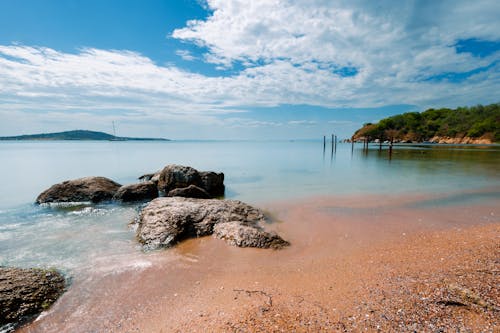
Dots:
{"x": 78, "y": 238}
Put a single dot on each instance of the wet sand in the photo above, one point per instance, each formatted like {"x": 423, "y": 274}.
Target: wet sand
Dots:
{"x": 393, "y": 263}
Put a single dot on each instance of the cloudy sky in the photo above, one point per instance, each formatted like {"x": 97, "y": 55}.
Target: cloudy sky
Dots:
{"x": 221, "y": 69}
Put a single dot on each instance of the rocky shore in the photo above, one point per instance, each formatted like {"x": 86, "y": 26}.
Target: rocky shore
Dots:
{"x": 486, "y": 140}
{"x": 172, "y": 180}
{"x": 461, "y": 140}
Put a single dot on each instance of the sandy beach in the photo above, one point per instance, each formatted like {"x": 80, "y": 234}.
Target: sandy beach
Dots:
{"x": 395, "y": 263}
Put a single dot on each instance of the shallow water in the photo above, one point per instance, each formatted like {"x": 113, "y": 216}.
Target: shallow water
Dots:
{"x": 87, "y": 238}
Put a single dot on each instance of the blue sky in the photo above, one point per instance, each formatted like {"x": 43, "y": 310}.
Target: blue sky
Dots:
{"x": 237, "y": 69}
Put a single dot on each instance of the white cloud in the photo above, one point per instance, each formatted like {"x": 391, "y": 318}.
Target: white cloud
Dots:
{"x": 341, "y": 122}
{"x": 185, "y": 55}
{"x": 292, "y": 52}
{"x": 236, "y": 122}
{"x": 303, "y": 122}
{"x": 393, "y": 45}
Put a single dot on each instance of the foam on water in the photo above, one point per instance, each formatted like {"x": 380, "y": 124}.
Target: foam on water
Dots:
{"x": 65, "y": 238}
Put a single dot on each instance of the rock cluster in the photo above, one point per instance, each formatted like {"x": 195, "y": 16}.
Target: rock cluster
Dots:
{"x": 173, "y": 180}
{"x": 166, "y": 221}
{"x": 186, "y": 208}
{"x": 25, "y": 293}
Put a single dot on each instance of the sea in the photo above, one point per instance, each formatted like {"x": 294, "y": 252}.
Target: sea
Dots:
{"x": 78, "y": 238}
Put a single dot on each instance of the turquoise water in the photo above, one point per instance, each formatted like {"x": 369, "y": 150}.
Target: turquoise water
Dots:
{"x": 79, "y": 237}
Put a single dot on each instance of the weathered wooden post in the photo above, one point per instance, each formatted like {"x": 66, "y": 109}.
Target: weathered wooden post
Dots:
{"x": 333, "y": 143}
{"x": 390, "y": 147}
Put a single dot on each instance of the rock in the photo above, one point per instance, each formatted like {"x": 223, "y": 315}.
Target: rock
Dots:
{"x": 178, "y": 176}
{"x": 241, "y": 235}
{"x": 154, "y": 177}
{"x": 94, "y": 189}
{"x": 165, "y": 221}
{"x": 213, "y": 183}
{"x": 25, "y": 293}
{"x": 146, "y": 177}
{"x": 192, "y": 191}
{"x": 137, "y": 192}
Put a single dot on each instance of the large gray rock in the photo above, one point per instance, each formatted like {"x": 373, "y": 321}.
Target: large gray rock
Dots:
{"x": 177, "y": 176}
{"x": 165, "y": 221}
{"x": 137, "y": 192}
{"x": 25, "y": 293}
{"x": 94, "y": 189}
{"x": 192, "y": 191}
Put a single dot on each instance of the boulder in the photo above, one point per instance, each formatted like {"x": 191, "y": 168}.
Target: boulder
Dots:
{"x": 25, "y": 293}
{"x": 166, "y": 221}
{"x": 241, "y": 235}
{"x": 178, "y": 176}
{"x": 137, "y": 192}
{"x": 192, "y": 191}
{"x": 94, "y": 189}
{"x": 213, "y": 183}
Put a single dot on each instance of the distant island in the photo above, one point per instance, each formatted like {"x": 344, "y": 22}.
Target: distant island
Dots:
{"x": 77, "y": 135}
{"x": 477, "y": 125}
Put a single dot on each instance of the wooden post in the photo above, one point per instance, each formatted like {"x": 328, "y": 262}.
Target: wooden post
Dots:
{"x": 390, "y": 148}
{"x": 324, "y": 146}
{"x": 333, "y": 143}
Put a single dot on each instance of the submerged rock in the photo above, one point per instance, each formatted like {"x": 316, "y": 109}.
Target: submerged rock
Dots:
{"x": 137, "y": 192}
{"x": 165, "y": 221}
{"x": 192, "y": 191}
{"x": 178, "y": 176}
{"x": 94, "y": 189}
{"x": 25, "y": 293}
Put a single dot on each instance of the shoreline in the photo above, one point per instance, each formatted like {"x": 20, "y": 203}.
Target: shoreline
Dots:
{"x": 355, "y": 262}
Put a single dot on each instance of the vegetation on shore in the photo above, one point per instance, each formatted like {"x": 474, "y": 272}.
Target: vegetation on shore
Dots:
{"x": 476, "y": 122}
{"x": 76, "y": 135}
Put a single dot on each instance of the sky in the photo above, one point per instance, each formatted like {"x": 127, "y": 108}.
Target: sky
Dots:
{"x": 260, "y": 69}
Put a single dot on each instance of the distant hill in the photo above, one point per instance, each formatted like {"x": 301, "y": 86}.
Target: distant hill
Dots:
{"x": 477, "y": 124}
{"x": 77, "y": 135}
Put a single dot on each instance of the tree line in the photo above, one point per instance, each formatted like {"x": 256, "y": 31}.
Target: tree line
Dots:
{"x": 476, "y": 121}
